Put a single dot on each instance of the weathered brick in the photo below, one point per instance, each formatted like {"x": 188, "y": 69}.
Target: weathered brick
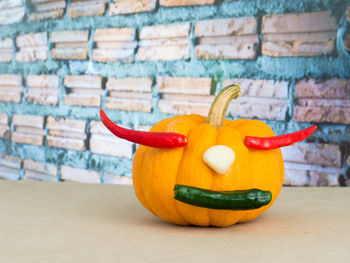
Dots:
{"x": 130, "y": 84}
{"x": 298, "y": 44}
{"x": 52, "y": 14}
{"x": 66, "y": 133}
{"x": 12, "y": 13}
{"x": 4, "y": 127}
{"x": 83, "y": 90}
{"x": 129, "y": 104}
{"x": 102, "y": 141}
{"x": 164, "y": 52}
{"x": 165, "y": 31}
{"x": 42, "y": 89}
{"x": 28, "y": 129}
{"x": 328, "y": 114}
{"x": 227, "y": 47}
{"x": 31, "y": 54}
{"x": 114, "y": 34}
{"x": 32, "y": 40}
{"x": 69, "y": 53}
{"x": 71, "y": 174}
{"x": 86, "y": 8}
{"x": 325, "y": 100}
{"x": 11, "y": 88}
{"x": 171, "y": 42}
{"x": 10, "y": 167}
{"x": 298, "y": 174}
{"x": 261, "y": 108}
{"x": 168, "y": 3}
{"x": 348, "y": 14}
{"x": 264, "y": 99}
{"x": 324, "y": 89}
{"x": 299, "y": 34}
{"x": 69, "y": 36}
{"x": 48, "y": 9}
{"x": 66, "y": 143}
{"x": 260, "y": 88}
{"x": 114, "y": 44}
{"x": 6, "y": 49}
{"x": 183, "y": 107}
{"x": 130, "y": 94}
{"x": 34, "y": 170}
{"x": 109, "y": 178}
{"x": 117, "y": 7}
{"x": 299, "y": 22}
{"x": 112, "y": 55}
{"x": 28, "y": 120}
{"x": 226, "y": 27}
{"x": 184, "y": 85}
{"x": 66, "y": 124}
{"x": 313, "y": 153}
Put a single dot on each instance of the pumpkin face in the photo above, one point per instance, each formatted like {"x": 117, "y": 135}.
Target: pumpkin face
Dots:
{"x": 220, "y": 165}
{"x": 156, "y": 171}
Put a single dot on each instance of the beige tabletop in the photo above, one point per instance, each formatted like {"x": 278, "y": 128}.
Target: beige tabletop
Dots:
{"x": 69, "y": 222}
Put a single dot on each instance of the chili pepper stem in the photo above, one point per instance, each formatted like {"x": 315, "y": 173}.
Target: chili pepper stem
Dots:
{"x": 219, "y": 107}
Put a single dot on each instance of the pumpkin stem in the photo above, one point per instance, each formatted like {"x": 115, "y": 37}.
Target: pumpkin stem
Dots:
{"x": 219, "y": 107}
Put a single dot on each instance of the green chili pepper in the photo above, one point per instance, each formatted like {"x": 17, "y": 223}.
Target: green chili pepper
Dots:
{"x": 230, "y": 200}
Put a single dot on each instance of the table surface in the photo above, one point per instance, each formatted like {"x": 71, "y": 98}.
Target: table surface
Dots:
{"x": 71, "y": 222}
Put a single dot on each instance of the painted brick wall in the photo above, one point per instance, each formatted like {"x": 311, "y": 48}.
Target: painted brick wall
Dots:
{"x": 142, "y": 61}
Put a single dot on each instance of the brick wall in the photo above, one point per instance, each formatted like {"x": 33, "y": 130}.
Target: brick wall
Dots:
{"x": 142, "y": 61}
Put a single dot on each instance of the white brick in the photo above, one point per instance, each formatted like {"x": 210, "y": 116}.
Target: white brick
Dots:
{"x": 45, "y": 96}
{"x": 129, "y": 104}
{"x": 111, "y": 145}
{"x": 86, "y": 8}
{"x": 10, "y": 80}
{"x": 12, "y": 15}
{"x": 225, "y": 27}
{"x": 66, "y": 143}
{"x": 164, "y": 52}
{"x": 114, "y": 34}
{"x": 298, "y": 22}
{"x": 10, "y": 161}
{"x": 44, "y": 81}
{"x": 82, "y": 100}
{"x": 44, "y": 168}
{"x": 69, "y": 36}
{"x": 180, "y": 107}
{"x": 261, "y": 108}
{"x": 48, "y": 6}
{"x": 113, "y": 55}
{"x": 129, "y": 84}
{"x": 184, "y": 85}
{"x": 165, "y": 31}
{"x": 169, "y": 3}
{"x": 32, "y": 40}
{"x": 67, "y": 134}
{"x": 26, "y": 138}
{"x": 83, "y": 81}
{"x": 238, "y": 47}
{"x": 69, "y": 53}
{"x": 52, "y": 14}
{"x": 66, "y": 124}
{"x": 6, "y": 43}
{"x": 31, "y": 54}
{"x": 28, "y": 120}
{"x": 69, "y": 173}
{"x": 118, "y": 7}
{"x": 3, "y": 118}
{"x": 37, "y": 176}
{"x": 260, "y": 88}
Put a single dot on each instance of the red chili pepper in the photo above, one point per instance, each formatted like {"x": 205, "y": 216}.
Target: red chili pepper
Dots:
{"x": 267, "y": 143}
{"x": 152, "y": 139}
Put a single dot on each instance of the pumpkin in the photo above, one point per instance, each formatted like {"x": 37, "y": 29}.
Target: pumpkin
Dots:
{"x": 157, "y": 170}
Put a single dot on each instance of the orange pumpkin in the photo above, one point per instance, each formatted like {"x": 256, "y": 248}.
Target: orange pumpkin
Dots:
{"x": 157, "y": 170}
